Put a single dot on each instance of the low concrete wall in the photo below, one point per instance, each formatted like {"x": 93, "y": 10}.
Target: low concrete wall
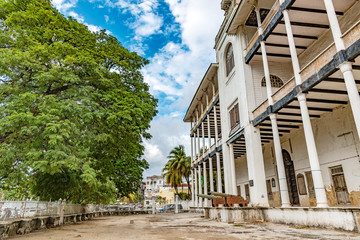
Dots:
{"x": 235, "y": 215}
{"x": 337, "y": 218}
{"x": 26, "y": 225}
{"x": 347, "y": 219}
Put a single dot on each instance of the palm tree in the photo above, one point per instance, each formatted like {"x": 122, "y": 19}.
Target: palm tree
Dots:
{"x": 177, "y": 168}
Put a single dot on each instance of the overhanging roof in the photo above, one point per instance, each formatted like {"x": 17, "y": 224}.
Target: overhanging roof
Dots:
{"x": 204, "y": 84}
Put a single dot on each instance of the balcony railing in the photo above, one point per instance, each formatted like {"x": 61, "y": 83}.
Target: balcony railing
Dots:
{"x": 205, "y": 111}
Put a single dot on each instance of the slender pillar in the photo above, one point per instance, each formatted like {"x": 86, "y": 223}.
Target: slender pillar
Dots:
{"x": 198, "y": 142}
{"x": 203, "y": 138}
{"x": 345, "y": 68}
{"x": 192, "y": 174}
{"x": 232, "y": 170}
{"x": 218, "y": 173}
{"x": 211, "y": 174}
{"x": 200, "y": 186}
{"x": 195, "y": 148}
{"x": 283, "y": 188}
{"x": 209, "y": 132}
{"x": 216, "y": 127}
{"x": 309, "y": 135}
{"x": 196, "y": 188}
{"x": 205, "y": 184}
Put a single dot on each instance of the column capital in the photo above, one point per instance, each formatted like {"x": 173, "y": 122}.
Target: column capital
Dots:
{"x": 346, "y": 67}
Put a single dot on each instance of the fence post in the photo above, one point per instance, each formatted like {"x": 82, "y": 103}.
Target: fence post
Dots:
{"x": 176, "y": 203}
{"x": 60, "y": 212}
{"x": 153, "y": 206}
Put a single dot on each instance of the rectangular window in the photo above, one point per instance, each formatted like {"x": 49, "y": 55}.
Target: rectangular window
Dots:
{"x": 234, "y": 116}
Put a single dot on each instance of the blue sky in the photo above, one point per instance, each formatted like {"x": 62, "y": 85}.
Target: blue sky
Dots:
{"x": 177, "y": 36}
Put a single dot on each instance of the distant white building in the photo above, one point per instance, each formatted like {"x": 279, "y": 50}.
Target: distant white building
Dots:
{"x": 153, "y": 185}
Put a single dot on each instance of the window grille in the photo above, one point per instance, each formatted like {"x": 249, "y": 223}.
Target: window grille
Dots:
{"x": 234, "y": 116}
{"x": 276, "y": 82}
{"x": 230, "y": 64}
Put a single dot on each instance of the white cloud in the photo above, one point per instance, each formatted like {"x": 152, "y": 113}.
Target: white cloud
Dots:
{"x": 76, "y": 16}
{"x": 146, "y": 21}
{"x": 106, "y": 18}
{"x": 93, "y": 28}
{"x": 177, "y": 69}
{"x": 64, "y": 5}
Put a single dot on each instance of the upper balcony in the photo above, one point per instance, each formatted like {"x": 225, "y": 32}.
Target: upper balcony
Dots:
{"x": 201, "y": 113}
{"x": 318, "y": 57}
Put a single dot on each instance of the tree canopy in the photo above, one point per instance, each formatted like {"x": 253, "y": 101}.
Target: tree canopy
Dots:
{"x": 74, "y": 107}
{"x": 177, "y": 168}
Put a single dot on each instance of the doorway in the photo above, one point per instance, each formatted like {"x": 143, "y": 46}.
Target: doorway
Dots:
{"x": 290, "y": 178}
{"x": 341, "y": 190}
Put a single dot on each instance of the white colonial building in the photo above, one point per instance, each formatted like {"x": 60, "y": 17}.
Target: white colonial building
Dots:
{"x": 279, "y": 111}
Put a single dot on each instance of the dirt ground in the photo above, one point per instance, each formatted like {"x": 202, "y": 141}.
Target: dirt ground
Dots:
{"x": 187, "y": 226}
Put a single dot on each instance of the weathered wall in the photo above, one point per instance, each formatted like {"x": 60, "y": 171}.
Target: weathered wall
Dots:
{"x": 283, "y": 71}
{"x": 336, "y": 218}
{"x": 337, "y": 144}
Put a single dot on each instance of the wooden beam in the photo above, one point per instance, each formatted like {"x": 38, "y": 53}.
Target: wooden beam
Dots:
{"x": 280, "y": 125}
{"x": 275, "y": 55}
{"x": 326, "y": 101}
{"x": 313, "y": 10}
{"x": 295, "y": 35}
{"x": 283, "y": 45}
{"x": 338, "y": 80}
{"x": 310, "y": 108}
{"x": 295, "y": 114}
{"x": 270, "y": 130}
{"x": 310, "y": 25}
{"x": 330, "y": 91}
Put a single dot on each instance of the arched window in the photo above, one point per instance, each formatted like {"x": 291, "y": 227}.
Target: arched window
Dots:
{"x": 276, "y": 82}
{"x": 230, "y": 64}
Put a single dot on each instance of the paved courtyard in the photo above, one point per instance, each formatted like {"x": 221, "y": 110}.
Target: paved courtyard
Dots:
{"x": 181, "y": 226}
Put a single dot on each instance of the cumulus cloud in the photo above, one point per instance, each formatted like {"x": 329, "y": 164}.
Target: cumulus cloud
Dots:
{"x": 168, "y": 132}
{"x": 64, "y": 5}
{"x": 76, "y": 16}
{"x": 106, "y": 18}
{"x": 176, "y": 70}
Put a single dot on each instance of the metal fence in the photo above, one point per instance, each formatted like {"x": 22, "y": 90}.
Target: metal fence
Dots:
{"x": 28, "y": 209}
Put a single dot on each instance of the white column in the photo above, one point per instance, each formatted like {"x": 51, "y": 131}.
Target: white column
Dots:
{"x": 196, "y": 188}
{"x": 211, "y": 174}
{"x": 283, "y": 188}
{"x": 203, "y": 138}
{"x": 198, "y": 142}
{"x": 195, "y": 148}
{"x": 216, "y": 127}
{"x": 218, "y": 173}
{"x": 346, "y": 68}
{"x": 209, "y": 132}
{"x": 200, "y": 186}
{"x": 309, "y": 135}
{"x": 313, "y": 155}
{"x": 205, "y": 185}
{"x": 192, "y": 189}
{"x": 232, "y": 170}
{"x": 192, "y": 174}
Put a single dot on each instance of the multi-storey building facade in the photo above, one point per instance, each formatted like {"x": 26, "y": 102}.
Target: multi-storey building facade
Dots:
{"x": 153, "y": 185}
{"x": 277, "y": 118}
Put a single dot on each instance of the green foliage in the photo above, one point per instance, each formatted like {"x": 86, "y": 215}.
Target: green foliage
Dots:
{"x": 177, "y": 168}
{"x": 74, "y": 107}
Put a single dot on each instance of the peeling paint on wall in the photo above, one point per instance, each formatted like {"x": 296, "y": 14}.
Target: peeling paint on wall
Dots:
{"x": 355, "y": 198}
{"x": 331, "y": 197}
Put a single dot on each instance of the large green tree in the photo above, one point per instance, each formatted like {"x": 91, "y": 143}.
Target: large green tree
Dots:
{"x": 73, "y": 107}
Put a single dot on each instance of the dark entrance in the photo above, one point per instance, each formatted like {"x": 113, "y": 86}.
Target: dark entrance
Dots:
{"x": 290, "y": 178}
